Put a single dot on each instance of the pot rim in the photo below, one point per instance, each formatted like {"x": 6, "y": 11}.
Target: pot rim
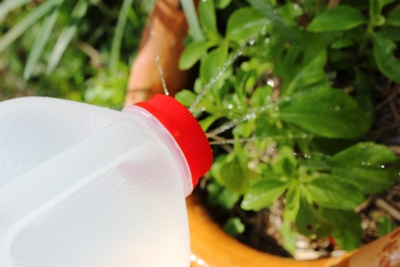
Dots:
{"x": 211, "y": 246}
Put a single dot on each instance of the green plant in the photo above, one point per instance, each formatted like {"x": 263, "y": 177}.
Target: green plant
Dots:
{"x": 79, "y": 50}
{"x": 298, "y": 104}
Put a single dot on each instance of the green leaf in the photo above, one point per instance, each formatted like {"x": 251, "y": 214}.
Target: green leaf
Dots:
{"x": 66, "y": 35}
{"x": 394, "y": 17}
{"x": 289, "y": 236}
{"x": 339, "y": 18}
{"x": 367, "y": 166}
{"x": 230, "y": 173}
{"x": 384, "y": 226}
{"x": 207, "y": 16}
{"x": 22, "y": 25}
{"x": 342, "y": 43}
{"x": 207, "y": 122}
{"x": 261, "y": 96}
{"x": 347, "y": 229}
{"x": 245, "y": 129}
{"x": 217, "y": 195}
{"x": 185, "y": 97}
{"x": 8, "y": 6}
{"x": 316, "y": 162}
{"x": 234, "y": 226}
{"x": 384, "y": 57}
{"x": 292, "y": 201}
{"x": 312, "y": 73}
{"x": 263, "y": 193}
{"x": 245, "y": 23}
{"x": 41, "y": 40}
{"x": 290, "y": 11}
{"x": 309, "y": 221}
{"x": 390, "y": 32}
{"x": 212, "y": 63}
{"x": 192, "y": 53}
{"x": 326, "y": 112}
{"x": 332, "y": 192}
{"x": 221, "y": 4}
{"x": 375, "y": 8}
{"x": 268, "y": 11}
{"x": 285, "y": 162}
{"x": 118, "y": 35}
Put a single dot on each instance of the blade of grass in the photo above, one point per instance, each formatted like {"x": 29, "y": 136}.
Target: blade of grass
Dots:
{"x": 7, "y": 6}
{"x": 25, "y": 23}
{"x": 41, "y": 40}
{"x": 119, "y": 34}
{"x": 103, "y": 8}
{"x": 66, "y": 35}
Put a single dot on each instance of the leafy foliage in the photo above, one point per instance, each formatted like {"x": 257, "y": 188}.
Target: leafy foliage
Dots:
{"x": 304, "y": 79}
{"x": 80, "y": 50}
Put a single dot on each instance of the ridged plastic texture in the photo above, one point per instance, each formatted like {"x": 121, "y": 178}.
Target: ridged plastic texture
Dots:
{"x": 132, "y": 215}
{"x": 186, "y": 131}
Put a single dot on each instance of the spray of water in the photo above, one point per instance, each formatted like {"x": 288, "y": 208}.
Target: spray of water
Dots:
{"x": 213, "y": 80}
{"x": 159, "y": 68}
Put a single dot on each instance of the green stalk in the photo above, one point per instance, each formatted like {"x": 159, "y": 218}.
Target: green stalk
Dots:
{"x": 119, "y": 34}
{"x": 25, "y": 23}
{"x": 192, "y": 20}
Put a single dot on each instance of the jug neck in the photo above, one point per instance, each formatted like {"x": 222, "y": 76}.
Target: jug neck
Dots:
{"x": 186, "y": 131}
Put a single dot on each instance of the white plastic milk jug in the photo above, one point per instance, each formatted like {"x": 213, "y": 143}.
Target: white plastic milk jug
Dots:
{"x": 82, "y": 185}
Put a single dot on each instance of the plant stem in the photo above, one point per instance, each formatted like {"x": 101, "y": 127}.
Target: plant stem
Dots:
{"x": 366, "y": 39}
{"x": 388, "y": 208}
{"x": 192, "y": 20}
{"x": 119, "y": 33}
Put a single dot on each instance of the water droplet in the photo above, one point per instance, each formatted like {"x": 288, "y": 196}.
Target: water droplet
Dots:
{"x": 276, "y": 108}
{"x": 239, "y": 106}
{"x": 267, "y": 40}
{"x": 383, "y": 166}
{"x": 304, "y": 136}
{"x": 252, "y": 41}
{"x": 251, "y": 165}
{"x": 287, "y": 98}
{"x": 337, "y": 108}
{"x": 230, "y": 106}
{"x": 271, "y": 83}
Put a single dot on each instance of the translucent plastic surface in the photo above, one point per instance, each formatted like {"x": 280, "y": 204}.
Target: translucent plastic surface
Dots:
{"x": 128, "y": 211}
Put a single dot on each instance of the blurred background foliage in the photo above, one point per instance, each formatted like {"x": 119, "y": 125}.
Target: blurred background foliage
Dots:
{"x": 80, "y": 50}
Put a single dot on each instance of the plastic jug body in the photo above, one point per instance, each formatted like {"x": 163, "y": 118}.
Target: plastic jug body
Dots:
{"x": 86, "y": 186}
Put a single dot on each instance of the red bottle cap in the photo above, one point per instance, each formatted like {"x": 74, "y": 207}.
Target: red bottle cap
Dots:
{"x": 185, "y": 129}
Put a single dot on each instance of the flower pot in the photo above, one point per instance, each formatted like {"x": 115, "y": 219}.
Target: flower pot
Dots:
{"x": 212, "y": 247}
